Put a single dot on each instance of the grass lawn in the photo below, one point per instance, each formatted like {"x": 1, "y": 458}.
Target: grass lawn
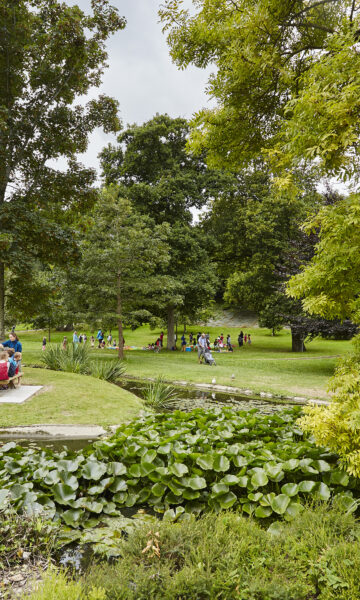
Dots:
{"x": 68, "y": 398}
{"x": 267, "y": 365}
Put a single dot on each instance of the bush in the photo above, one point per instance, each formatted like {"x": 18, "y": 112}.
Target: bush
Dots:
{"x": 110, "y": 370}
{"x": 56, "y": 586}
{"x": 75, "y": 359}
{"x": 158, "y": 394}
{"x": 228, "y": 556}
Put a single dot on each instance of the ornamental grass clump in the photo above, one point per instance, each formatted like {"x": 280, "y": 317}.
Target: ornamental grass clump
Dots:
{"x": 110, "y": 370}
{"x": 159, "y": 395}
{"x": 74, "y": 359}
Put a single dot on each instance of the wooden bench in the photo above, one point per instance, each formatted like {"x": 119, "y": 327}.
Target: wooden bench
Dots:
{"x": 11, "y": 381}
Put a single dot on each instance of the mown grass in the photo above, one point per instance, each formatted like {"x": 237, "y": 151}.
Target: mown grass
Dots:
{"x": 69, "y": 398}
{"x": 267, "y": 365}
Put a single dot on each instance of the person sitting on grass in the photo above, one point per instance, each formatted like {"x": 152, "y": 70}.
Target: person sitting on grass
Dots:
{"x": 4, "y": 366}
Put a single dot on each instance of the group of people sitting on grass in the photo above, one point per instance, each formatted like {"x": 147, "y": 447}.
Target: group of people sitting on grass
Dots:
{"x": 218, "y": 344}
{"x": 10, "y": 357}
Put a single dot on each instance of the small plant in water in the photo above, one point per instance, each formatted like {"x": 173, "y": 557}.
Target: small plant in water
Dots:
{"x": 158, "y": 394}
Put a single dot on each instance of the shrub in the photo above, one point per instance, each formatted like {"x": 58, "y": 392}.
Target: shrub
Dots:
{"x": 158, "y": 394}
{"x": 110, "y": 370}
{"x": 338, "y": 424}
{"x": 228, "y": 556}
{"x": 56, "y": 586}
{"x": 75, "y": 359}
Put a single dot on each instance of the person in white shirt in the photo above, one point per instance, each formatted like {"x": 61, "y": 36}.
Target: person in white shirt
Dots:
{"x": 201, "y": 345}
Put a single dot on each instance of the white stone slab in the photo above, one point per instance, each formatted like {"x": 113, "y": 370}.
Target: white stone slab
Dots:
{"x": 71, "y": 432}
{"x": 18, "y": 395}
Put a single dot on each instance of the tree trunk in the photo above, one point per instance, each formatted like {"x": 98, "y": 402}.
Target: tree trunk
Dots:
{"x": 297, "y": 341}
{"x": 170, "y": 327}
{"x": 120, "y": 325}
{"x": 2, "y": 301}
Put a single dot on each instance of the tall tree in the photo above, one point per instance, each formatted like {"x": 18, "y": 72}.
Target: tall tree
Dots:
{"x": 259, "y": 51}
{"x": 51, "y": 54}
{"x": 153, "y": 169}
{"x": 122, "y": 253}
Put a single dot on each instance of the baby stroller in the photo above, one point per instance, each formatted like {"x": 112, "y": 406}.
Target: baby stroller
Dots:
{"x": 208, "y": 357}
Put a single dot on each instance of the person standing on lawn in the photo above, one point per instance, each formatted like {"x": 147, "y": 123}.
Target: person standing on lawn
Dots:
{"x": 202, "y": 345}
{"x": 44, "y": 344}
{"x": 161, "y": 338}
{"x": 75, "y": 338}
{"x": 183, "y": 343}
{"x": 241, "y": 339}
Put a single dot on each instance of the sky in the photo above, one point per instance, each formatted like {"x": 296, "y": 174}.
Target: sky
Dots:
{"x": 141, "y": 75}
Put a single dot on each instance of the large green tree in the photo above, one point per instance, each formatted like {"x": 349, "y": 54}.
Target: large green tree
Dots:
{"x": 259, "y": 51}
{"x": 122, "y": 254}
{"x": 51, "y": 54}
{"x": 153, "y": 169}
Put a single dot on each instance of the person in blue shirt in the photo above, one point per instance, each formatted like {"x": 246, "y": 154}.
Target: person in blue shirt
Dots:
{"x": 75, "y": 338}
{"x": 13, "y": 342}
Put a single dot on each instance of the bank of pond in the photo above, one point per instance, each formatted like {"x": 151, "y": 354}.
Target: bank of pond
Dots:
{"x": 176, "y": 466}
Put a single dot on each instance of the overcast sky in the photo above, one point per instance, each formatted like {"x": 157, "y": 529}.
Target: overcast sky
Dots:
{"x": 141, "y": 75}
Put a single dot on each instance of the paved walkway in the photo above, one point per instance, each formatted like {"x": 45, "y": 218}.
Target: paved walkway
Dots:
{"x": 18, "y": 395}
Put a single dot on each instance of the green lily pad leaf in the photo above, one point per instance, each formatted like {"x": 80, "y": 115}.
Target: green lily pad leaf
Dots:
{"x": 172, "y": 515}
{"x": 6, "y": 447}
{"x": 197, "y": 483}
{"x": 194, "y": 508}
{"x": 70, "y": 480}
{"x": 274, "y": 472}
{"x": 261, "y": 512}
{"x": 259, "y": 479}
{"x": 4, "y": 498}
{"x": 18, "y": 491}
{"x": 72, "y": 517}
{"x": 93, "y": 470}
{"x": 243, "y": 481}
{"x": 12, "y": 466}
{"x": 63, "y": 493}
{"x": 291, "y": 465}
{"x": 206, "y": 461}
{"x": 158, "y": 489}
{"x": 322, "y": 491}
{"x": 149, "y": 456}
{"x": 255, "y": 497}
{"x": 306, "y": 486}
{"x": 339, "y": 478}
{"x": 346, "y": 502}
{"x": 221, "y": 463}
{"x": 52, "y": 477}
{"x": 290, "y": 489}
{"x": 280, "y": 503}
{"x": 219, "y": 489}
{"x": 230, "y": 480}
{"x": 267, "y": 499}
{"x": 120, "y": 497}
{"x": 175, "y": 488}
{"x": 248, "y": 508}
{"x": 293, "y": 510}
{"x": 164, "y": 449}
{"x": 119, "y": 485}
{"x": 276, "y": 529}
{"x": 70, "y": 465}
{"x": 321, "y": 465}
{"x": 92, "y": 506}
{"x": 240, "y": 461}
{"x": 146, "y": 468}
{"x": 131, "y": 499}
{"x": 116, "y": 468}
{"x": 190, "y": 494}
{"x": 134, "y": 471}
{"x": 227, "y": 500}
{"x": 110, "y": 509}
{"x": 178, "y": 469}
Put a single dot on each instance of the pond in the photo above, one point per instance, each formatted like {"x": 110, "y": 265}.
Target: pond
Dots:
{"x": 189, "y": 398}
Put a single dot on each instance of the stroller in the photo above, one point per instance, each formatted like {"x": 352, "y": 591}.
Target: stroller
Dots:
{"x": 208, "y": 357}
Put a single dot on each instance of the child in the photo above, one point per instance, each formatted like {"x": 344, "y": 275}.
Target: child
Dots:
{"x": 64, "y": 343}
{"x": 4, "y": 365}
{"x": 44, "y": 343}
{"x": 249, "y": 339}
{"x": 92, "y": 341}
{"x": 245, "y": 338}
{"x": 17, "y": 359}
{"x": 12, "y": 364}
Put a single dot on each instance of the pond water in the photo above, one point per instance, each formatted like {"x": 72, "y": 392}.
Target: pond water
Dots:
{"x": 189, "y": 398}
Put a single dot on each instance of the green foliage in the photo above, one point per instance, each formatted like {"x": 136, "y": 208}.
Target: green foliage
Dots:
{"x": 158, "y": 394}
{"x": 194, "y": 461}
{"x": 337, "y": 425}
{"x": 110, "y": 370}
{"x": 259, "y": 52}
{"x": 21, "y": 534}
{"x": 55, "y": 585}
{"x": 226, "y": 556}
{"x": 52, "y": 55}
{"x": 329, "y": 285}
{"x": 74, "y": 359}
